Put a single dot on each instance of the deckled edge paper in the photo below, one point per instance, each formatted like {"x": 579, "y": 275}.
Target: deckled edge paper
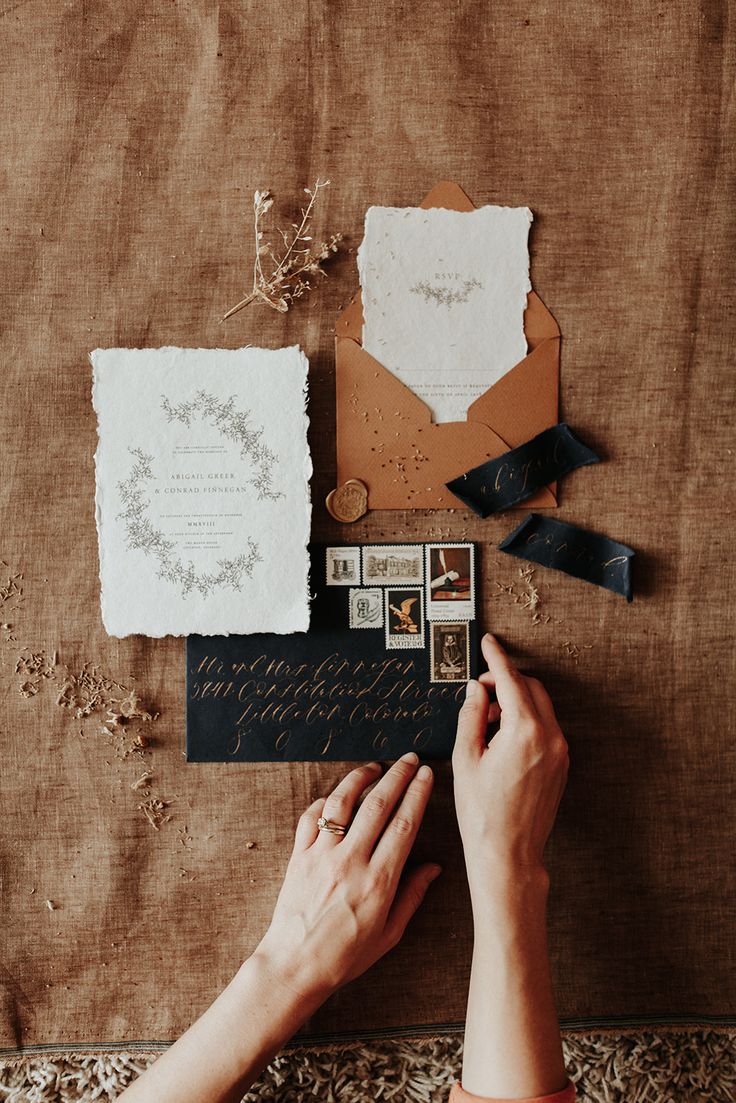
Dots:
{"x": 577, "y": 552}
{"x": 444, "y": 294}
{"x": 298, "y": 616}
{"x": 506, "y": 480}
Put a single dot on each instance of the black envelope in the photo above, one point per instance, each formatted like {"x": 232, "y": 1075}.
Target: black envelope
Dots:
{"x": 334, "y": 692}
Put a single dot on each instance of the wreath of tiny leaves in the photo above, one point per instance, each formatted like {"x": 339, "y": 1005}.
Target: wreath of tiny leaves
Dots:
{"x": 235, "y": 425}
{"x": 141, "y": 534}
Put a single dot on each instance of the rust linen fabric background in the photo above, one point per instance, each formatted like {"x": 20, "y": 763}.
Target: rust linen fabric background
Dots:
{"x": 133, "y": 136}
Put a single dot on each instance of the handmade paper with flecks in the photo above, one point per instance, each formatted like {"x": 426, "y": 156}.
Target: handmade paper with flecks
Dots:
{"x": 444, "y": 294}
{"x": 202, "y": 497}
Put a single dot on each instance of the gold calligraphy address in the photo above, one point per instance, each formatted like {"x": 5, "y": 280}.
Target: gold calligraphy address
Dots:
{"x": 341, "y": 693}
{"x": 576, "y": 553}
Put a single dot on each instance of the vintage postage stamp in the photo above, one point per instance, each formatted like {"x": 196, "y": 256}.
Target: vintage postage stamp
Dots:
{"x": 343, "y": 566}
{"x": 449, "y": 651}
{"x": 450, "y": 582}
{"x": 366, "y": 608}
{"x": 400, "y": 565}
{"x": 404, "y": 618}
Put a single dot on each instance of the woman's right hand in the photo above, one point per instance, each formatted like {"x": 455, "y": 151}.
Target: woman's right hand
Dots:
{"x": 507, "y": 791}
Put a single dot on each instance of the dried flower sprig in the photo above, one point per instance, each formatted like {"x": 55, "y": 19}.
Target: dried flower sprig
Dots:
{"x": 300, "y": 260}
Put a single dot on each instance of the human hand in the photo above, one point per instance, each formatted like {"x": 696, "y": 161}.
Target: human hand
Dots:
{"x": 344, "y": 903}
{"x": 507, "y": 791}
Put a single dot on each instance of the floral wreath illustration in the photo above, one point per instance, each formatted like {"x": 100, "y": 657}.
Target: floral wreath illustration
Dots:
{"x": 446, "y": 296}
{"x": 235, "y": 425}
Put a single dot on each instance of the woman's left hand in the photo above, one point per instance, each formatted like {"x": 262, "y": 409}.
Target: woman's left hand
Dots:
{"x": 344, "y": 902}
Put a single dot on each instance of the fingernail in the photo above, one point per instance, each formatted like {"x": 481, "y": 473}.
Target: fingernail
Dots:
{"x": 410, "y": 757}
{"x": 424, "y": 773}
{"x": 471, "y": 688}
{"x": 373, "y": 765}
{"x": 435, "y": 872}
{"x": 489, "y": 636}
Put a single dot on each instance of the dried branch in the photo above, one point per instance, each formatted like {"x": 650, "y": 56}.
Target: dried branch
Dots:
{"x": 287, "y": 274}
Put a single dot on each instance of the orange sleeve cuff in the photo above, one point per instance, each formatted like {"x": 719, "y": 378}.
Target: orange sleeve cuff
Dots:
{"x": 459, "y": 1095}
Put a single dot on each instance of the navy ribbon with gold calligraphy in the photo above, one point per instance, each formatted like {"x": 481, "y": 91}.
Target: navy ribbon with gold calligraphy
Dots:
{"x": 521, "y": 472}
{"x": 576, "y": 551}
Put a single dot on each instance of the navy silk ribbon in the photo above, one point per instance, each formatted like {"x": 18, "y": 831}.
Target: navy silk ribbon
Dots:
{"x": 576, "y": 551}
{"x": 521, "y": 472}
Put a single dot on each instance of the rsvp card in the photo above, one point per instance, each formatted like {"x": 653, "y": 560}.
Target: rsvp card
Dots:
{"x": 444, "y": 294}
{"x": 202, "y": 490}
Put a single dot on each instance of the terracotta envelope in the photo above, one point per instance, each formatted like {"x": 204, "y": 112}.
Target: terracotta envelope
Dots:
{"x": 385, "y": 433}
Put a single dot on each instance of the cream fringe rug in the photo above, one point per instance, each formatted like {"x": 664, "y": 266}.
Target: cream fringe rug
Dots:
{"x": 682, "y": 1066}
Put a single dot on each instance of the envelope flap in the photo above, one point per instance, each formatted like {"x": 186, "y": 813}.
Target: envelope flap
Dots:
{"x": 385, "y": 438}
{"x": 359, "y": 374}
{"x": 450, "y": 195}
{"x": 350, "y": 322}
{"x": 539, "y": 325}
{"x": 525, "y": 400}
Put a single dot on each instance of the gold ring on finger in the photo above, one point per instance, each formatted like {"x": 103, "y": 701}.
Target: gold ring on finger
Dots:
{"x": 327, "y": 825}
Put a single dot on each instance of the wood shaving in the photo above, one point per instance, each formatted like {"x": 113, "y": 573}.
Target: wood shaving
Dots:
{"x": 525, "y": 592}
{"x": 574, "y": 651}
{"x": 11, "y": 589}
{"x": 153, "y": 806}
{"x": 87, "y": 692}
{"x": 142, "y": 782}
{"x": 154, "y": 809}
{"x": 33, "y": 667}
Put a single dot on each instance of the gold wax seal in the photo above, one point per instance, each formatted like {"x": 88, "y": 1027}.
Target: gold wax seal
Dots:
{"x": 348, "y": 502}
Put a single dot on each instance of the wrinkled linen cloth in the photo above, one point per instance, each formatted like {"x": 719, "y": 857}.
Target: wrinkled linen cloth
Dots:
{"x": 133, "y": 138}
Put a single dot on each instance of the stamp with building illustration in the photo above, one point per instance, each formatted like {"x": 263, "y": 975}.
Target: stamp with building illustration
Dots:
{"x": 404, "y": 617}
{"x": 450, "y": 582}
{"x": 399, "y": 565}
{"x": 343, "y": 566}
{"x": 449, "y": 651}
{"x": 366, "y": 608}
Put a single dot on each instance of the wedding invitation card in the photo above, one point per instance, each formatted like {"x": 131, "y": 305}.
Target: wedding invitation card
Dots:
{"x": 444, "y": 294}
{"x": 202, "y": 490}
{"x": 382, "y": 670}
